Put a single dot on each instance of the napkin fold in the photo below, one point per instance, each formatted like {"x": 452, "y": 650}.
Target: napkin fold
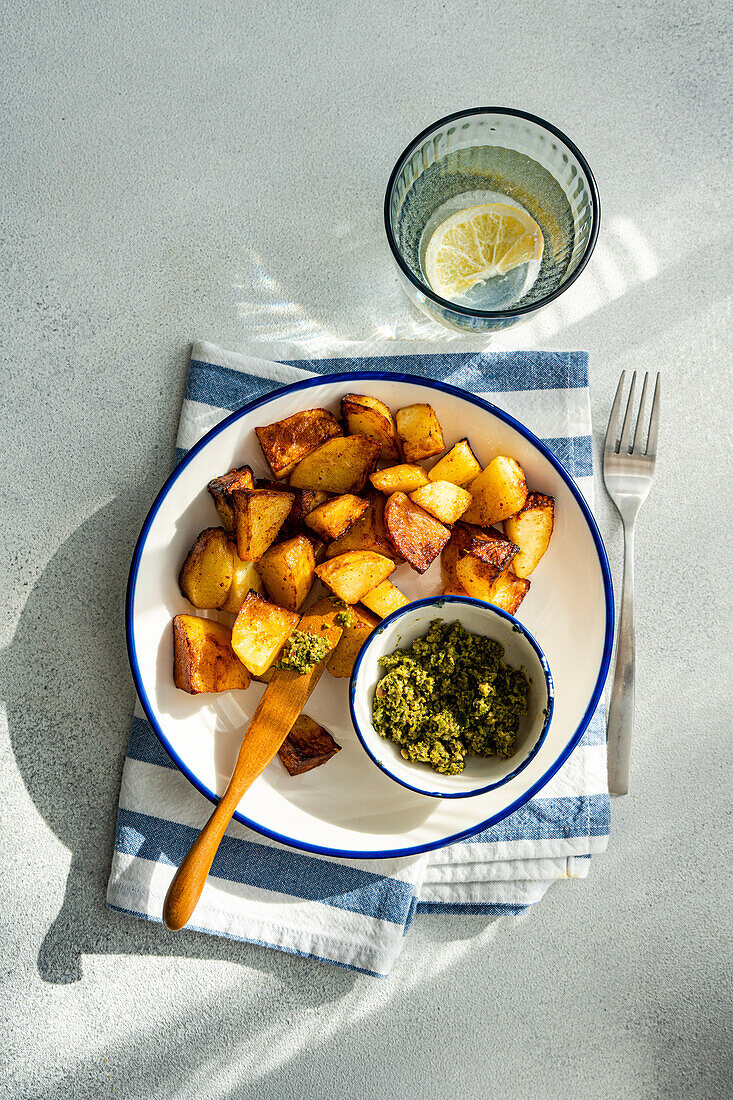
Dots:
{"x": 355, "y": 913}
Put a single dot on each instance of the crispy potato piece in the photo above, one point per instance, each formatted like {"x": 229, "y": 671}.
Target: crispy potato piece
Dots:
{"x": 220, "y": 489}
{"x": 487, "y": 555}
{"x": 260, "y": 631}
{"x": 531, "y": 529}
{"x": 287, "y": 441}
{"x": 288, "y": 570}
{"x": 341, "y": 465}
{"x": 368, "y": 533}
{"x": 491, "y": 545}
{"x": 384, "y": 599}
{"x": 307, "y": 746}
{"x": 417, "y": 536}
{"x": 334, "y": 518}
{"x": 419, "y": 432}
{"x": 498, "y": 492}
{"x": 442, "y": 499}
{"x": 206, "y": 574}
{"x": 203, "y": 658}
{"x": 454, "y": 591}
{"x": 258, "y": 516}
{"x": 305, "y": 501}
{"x": 399, "y": 479}
{"x": 369, "y": 416}
{"x": 508, "y": 591}
{"x": 341, "y": 661}
{"x": 458, "y": 465}
{"x": 244, "y": 577}
{"x": 355, "y": 573}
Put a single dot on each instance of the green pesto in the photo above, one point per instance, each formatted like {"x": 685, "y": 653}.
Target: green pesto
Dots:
{"x": 345, "y": 618}
{"x": 448, "y": 695}
{"x": 303, "y": 652}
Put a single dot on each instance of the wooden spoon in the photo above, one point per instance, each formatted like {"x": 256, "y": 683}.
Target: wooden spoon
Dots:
{"x": 284, "y": 699}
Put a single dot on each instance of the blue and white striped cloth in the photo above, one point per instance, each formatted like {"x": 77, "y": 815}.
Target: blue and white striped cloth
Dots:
{"x": 349, "y": 912}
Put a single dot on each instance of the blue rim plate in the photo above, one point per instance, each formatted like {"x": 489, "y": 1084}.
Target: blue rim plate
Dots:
{"x": 342, "y": 383}
{"x": 421, "y": 770}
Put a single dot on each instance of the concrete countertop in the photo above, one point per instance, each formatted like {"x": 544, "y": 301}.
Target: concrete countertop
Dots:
{"x": 178, "y": 171}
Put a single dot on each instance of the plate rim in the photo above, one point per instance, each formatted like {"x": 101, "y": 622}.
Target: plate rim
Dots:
{"x": 463, "y": 395}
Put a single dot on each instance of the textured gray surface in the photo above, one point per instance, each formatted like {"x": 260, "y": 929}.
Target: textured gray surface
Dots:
{"x": 177, "y": 172}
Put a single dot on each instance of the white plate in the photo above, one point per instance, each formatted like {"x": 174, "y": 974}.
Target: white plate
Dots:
{"x": 349, "y": 807}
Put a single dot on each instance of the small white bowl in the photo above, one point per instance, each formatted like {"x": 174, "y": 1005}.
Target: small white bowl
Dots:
{"x": 400, "y": 629}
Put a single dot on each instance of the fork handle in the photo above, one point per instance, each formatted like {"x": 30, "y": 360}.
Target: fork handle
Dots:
{"x": 621, "y": 709}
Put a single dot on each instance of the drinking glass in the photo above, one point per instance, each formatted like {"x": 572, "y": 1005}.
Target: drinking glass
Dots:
{"x": 489, "y": 155}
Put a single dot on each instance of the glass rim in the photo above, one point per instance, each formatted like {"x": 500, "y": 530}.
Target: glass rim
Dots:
{"x": 494, "y": 313}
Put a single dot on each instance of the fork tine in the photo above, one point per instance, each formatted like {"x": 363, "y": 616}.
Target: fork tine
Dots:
{"x": 641, "y": 421}
{"x": 625, "y": 441}
{"x": 612, "y": 429}
{"x": 651, "y": 446}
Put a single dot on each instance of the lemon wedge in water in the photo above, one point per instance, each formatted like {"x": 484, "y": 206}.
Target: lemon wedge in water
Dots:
{"x": 478, "y": 243}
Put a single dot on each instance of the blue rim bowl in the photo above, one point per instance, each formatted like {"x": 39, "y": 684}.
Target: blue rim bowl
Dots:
{"x": 476, "y": 779}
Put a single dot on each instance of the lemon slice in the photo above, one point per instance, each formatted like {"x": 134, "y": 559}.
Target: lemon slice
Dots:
{"x": 478, "y": 243}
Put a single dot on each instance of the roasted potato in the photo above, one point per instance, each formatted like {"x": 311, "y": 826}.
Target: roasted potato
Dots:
{"x": 486, "y": 555}
{"x": 305, "y": 501}
{"x": 258, "y": 516}
{"x": 456, "y": 590}
{"x": 369, "y": 416}
{"x": 508, "y": 591}
{"x": 498, "y": 492}
{"x": 341, "y": 661}
{"x": 492, "y": 545}
{"x": 287, "y": 441}
{"x": 458, "y": 465}
{"x": 419, "y": 432}
{"x": 442, "y": 499}
{"x": 384, "y": 599}
{"x": 260, "y": 631}
{"x": 220, "y": 489}
{"x": 288, "y": 570}
{"x": 416, "y": 536}
{"x": 368, "y": 533}
{"x": 531, "y": 529}
{"x": 341, "y": 465}
{"x": 399, "y": 479}
{"x": 206, "y": 574}
{"x": 335, "y": 517}
{"x": 350, "y": 576}
{"x": 307, "y": 746}
{"x": 244, "y": 577}
{"x": 203, "y": 658}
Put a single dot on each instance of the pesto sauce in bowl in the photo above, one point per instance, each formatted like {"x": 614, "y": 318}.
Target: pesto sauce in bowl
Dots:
{"x": 449, "y": 695}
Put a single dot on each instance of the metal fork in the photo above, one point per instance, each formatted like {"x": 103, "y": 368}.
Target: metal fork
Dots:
{"x": 628, "y": 469}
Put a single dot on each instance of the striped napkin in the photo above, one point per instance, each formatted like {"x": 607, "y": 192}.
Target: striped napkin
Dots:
{"x": 356, "y": 913}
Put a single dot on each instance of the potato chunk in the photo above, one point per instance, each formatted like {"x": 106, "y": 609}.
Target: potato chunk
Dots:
{"x": 369, "y": 416}
{"x": 417, "y": 536}
{"x": 486, "y": 556}
{"x": 399, "y": 479}
{"x": 288, "y": 570}
{"x": 384, "y": 599}
{"x": 286, "y": 442}
{"x": 458, "y": 465}
{"x": 258, "y": 516}
{"x": 442, "y": 499}
{"x": 498, "y": 492}
{"x": 333, "y": 519}
{"x": 305, "y": 501}
{"x": 341, "y": 661}
{"x": 260, "y": 631}
{"x": 206, "y": 574}
{"x": 203, "y": 658}
{"x": 531, "y": 529}
{"x": 307, "y": 746}
{"x": 368, "y": 533}
{"x": 508, "y": 591}
{"x": 244, "y": 577}
{"x": 350, "y": 576}
{"x": 490, "y": 546}
{"x": 220, "y": 489}
{"x": 341, "y": 465}
{"x": 419, "y": 432}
